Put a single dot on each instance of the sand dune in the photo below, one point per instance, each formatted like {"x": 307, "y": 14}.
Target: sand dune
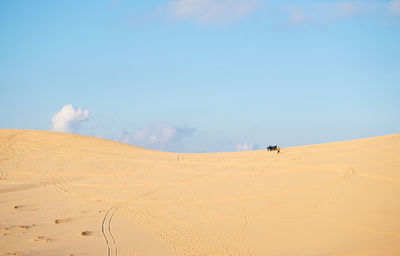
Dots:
{"x": 64, "y": 194}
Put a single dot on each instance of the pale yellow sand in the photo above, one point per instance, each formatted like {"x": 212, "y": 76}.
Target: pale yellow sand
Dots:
{"x": 63, "y": 194}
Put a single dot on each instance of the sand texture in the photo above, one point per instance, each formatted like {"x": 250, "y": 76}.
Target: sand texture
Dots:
{"x": 65, "y": 194}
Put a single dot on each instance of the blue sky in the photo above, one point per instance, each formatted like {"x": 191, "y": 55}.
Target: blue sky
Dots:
{"x": 202, "y": 75}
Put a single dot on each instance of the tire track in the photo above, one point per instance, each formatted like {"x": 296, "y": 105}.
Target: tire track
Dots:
{"x": 349, "y": 173}
{"x": 3, "y": 174}
{"x": 112, "y": 249}
{"x": 242, "y": 199}
{"x": 7, "y": 147}
{"x": 56, "y": 181}
{"x": 243, "y": 228}
{"x": 222, "y": 237}
{"x": 179, "y": 182}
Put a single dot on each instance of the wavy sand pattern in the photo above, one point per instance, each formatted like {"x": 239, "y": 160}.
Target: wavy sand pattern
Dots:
{"x": 64, "y": 194}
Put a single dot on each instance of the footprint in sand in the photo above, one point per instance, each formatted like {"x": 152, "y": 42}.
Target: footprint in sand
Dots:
{"x": 86, "y": 233}
{"x": 42, "y": 238}
{"x": 24, "y": 208}
{"x": 58, "y": 221}
{"x": 24, "y": 227}
{"x": 10, "y": 228}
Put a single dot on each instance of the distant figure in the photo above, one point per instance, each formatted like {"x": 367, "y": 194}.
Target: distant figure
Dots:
{"x": 279, "y": 149}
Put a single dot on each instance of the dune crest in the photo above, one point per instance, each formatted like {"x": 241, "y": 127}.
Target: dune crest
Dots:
{"x": 66, "y": 194}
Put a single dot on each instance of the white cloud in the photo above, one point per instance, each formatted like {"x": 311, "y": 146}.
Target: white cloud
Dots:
{"x": 348, "y": 8}
{"x": 298, "y": 17}
{"x": 327, "y": 12}
{"x": 246, "y": 146}
{"x": 355, "y": 8}
{"x": 124, "y": 136}
{"x": 394, "y": 7}
{"x": 68, "y": 119}
{"x": 299, "y": 13}
{"x": 159, "y": 137}
{"x": 212, "y": 11}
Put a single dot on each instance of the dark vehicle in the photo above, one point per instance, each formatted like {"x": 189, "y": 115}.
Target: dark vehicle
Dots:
{"x": 272, "y": 148}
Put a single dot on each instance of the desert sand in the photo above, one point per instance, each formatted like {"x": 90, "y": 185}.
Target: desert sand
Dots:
{"x": 65, "y": 194}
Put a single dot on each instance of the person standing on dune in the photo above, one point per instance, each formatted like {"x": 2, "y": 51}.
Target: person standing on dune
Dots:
{"x": 279, "y": 149}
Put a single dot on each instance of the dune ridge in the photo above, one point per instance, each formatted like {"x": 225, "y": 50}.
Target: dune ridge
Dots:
{"x": 67, "y": 194}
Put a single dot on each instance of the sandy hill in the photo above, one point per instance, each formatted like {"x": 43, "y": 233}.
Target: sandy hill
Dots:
{"x": 64, "y": 194}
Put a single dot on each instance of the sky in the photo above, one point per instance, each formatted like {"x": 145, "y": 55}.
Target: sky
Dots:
{"x": 202, "y": 75}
